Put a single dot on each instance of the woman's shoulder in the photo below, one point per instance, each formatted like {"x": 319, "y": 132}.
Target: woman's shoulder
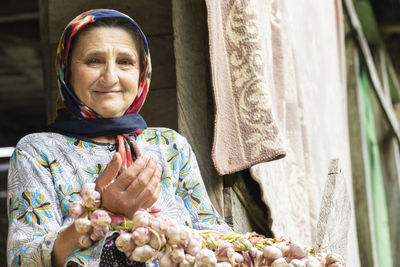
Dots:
{"x": 159, "y": 130}
{"x": 40, "y": 139}
{"x": 162, "y": 133}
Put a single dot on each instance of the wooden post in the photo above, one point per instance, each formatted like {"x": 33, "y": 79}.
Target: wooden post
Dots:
{"x": 390, "y": 158}
{"x": 359, "y": 162}
{"x": 49, "y": 75}
{"x": 195, "y": 105}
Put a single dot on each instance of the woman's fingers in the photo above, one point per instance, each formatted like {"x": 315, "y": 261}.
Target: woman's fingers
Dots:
{"x": 131, "y": 174}
{"x": 150, "y": 194}
{"x": 151, "y": 199}
{"x": 142, "y": 180}
{"x": 110, "y": 172}
{"x": 136, "y": 187}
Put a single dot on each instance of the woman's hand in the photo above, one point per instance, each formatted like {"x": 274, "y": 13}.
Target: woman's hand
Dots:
{"x": 137, "y": 187}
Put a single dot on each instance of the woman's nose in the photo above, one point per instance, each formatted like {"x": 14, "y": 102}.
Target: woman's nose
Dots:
{"x": 109, "y": 76}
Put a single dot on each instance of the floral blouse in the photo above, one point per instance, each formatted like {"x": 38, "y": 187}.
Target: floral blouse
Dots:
{"x": 47, "y": 171}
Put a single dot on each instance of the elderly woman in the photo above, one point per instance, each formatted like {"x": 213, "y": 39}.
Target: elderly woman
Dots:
{"x": 104, "y": 69}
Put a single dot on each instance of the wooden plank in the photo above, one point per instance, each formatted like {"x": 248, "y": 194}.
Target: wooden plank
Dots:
{"x": 7, "y": 39}
{"x": 4, "y": 60}
{"x": 20, "y": 100}
{"x": 228, "y": 215}
{"x": 13, "y": 129}
{"x": 391, "y": 169}
{"x": 368, "y": 21}
{"x": 359, "y": 163}
{"x": 16, "y": 79}
{"x": 49, "y": 79}
{"x": 154, "y": 17}
{"x": 195, "y": 105}
{"x": 16, "y": 98}
{"x": 241, "y": 220}
{"x": 160, "y": 109}
{"x": 24, "y": 95}
{"x": 390, "y": 160}
{"x": 27, "y": 60}
{"x": 5, "y": 70}
{"x": 251, "y": 213}
{"x": 13, "y": 7}
{"x": 21, "y": 89}
{"x": 386, "y": 106}
{"x": 27, "y": 104}
{"x": 384, "y": 73}
{"x": 22, "y": 106}
{"x": 19, "y": 17}
{"x": 397, "y": 151}
{"x": 393, "y": 76}
{"x": 390, "y": 29}
{"x": 163, "y": 61}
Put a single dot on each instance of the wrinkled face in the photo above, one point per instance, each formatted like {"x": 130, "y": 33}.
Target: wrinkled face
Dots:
{"x": 105, "y": 70}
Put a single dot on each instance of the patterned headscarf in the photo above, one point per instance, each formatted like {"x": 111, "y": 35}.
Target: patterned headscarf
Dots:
{"x": 87, "y": 122}
{"x": 63, "y": 58}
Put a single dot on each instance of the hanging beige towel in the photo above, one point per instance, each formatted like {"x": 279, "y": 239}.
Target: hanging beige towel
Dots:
{"x": 245, "y": 132}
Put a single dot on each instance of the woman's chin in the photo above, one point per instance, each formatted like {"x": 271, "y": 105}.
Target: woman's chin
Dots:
{"x": 112, "y": 108}
{"x": 109, "y": 114}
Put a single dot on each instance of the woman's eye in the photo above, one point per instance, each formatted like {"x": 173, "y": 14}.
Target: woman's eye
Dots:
{"x": 125, "y": 62}
{"x": 93, "y": 61}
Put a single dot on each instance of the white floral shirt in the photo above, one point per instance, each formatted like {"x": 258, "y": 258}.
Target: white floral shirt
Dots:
{"x": 47, "y": 171}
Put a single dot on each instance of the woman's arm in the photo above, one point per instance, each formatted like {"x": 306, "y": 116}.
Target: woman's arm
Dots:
{"x": 66, "y": 241}
{"x": 34, "y": 216}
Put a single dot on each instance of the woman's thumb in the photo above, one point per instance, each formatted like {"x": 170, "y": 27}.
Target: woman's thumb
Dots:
{"x": 110, "y": 172}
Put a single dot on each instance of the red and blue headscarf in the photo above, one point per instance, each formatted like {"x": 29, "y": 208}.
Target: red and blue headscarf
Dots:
{"x": 86, "y": 122}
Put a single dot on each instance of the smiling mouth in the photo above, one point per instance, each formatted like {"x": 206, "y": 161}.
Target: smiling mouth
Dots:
{"x": 106, "y": 92}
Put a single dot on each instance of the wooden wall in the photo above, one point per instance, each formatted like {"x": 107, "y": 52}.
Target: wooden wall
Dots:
{"x": 363, "y": 52}
{"x": 21, "y": 96}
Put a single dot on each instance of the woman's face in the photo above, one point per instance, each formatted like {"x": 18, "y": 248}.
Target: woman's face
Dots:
{"x": 105, "y": 70}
